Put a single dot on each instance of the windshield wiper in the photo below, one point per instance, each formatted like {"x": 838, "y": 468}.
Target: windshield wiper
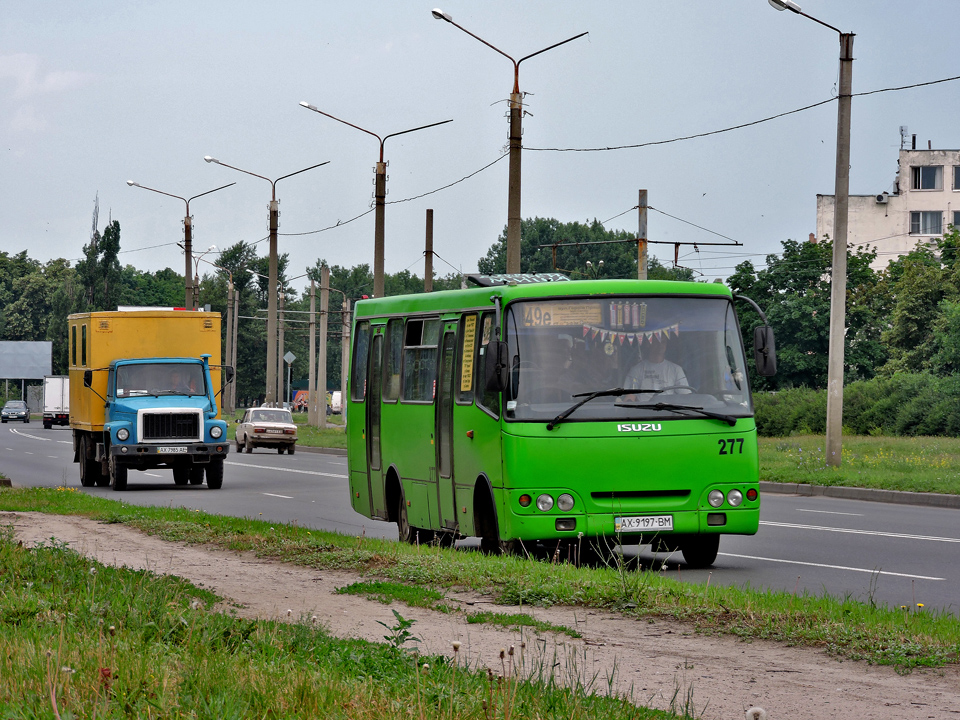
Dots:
{"x": 728, "y": 419}
{"x": 587, "y": 397}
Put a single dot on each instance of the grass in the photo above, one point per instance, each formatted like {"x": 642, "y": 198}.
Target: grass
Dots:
{"x": 79, "y": 639}
{"x": 904, "y": 638}
{"x": 519, "y": 620}
{"x": 918, "y": 464}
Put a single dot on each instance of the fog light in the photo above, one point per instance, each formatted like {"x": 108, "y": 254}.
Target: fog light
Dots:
{"x": 544, "y": 503}
{"x": 716, "y": 519}
{"x": 751, "y": 494}
{"x": 734, "y": 497}
{"x": 123, "y": 434}
{"x": 216, "y": 431}
{"x": 565, "y": 502}
{"x": 123, "y": 449}
{"x": 525, "y": 500}
{"x": 715, "y": 498}
{"x": 566, "y": 524}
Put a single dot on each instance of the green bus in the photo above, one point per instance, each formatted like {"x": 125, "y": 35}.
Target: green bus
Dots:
{"x": 536, "y": 411}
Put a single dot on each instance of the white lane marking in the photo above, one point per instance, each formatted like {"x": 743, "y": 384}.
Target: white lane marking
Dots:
{"x": 900, "y": 536}
{"x": 830, "y": 512}
{"x": 28, "y": 435}
{"x": 833, "y": 567}
{"x": 285, "y": 497}
{"x": 27, "y": 453}
{"x": 53, "y": 456}
{"x": 289, "y": 470}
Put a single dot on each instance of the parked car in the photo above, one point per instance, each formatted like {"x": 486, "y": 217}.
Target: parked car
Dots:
{"x": 15, "y": 410}
{"x": 267, "y": 427}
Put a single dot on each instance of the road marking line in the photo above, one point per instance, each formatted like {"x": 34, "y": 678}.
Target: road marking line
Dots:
{"x": 830, "y": 512}
{"x": 25, "y": 452}
{"x": 900, "y": 536}
{"x": 834, "y": 567}
{"x": 285, "y": 497}
{"x": 28, "y": 435}
{"x": 289, "y": 470}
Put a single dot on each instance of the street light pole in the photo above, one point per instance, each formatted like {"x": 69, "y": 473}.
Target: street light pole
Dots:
{"x": 838, "y": 281}
{"x": 516, "y": 145}
{"x": 272, "y": 289}
{"x": 380, "y": 192}
{"x": 187, "y": 236}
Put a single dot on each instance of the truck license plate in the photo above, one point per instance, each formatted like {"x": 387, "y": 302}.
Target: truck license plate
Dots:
{"x": 643, "y": 522}
{"x": 172, "y": 449}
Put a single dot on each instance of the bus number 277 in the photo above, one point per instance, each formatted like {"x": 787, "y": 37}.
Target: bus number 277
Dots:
{"x": 732, "y": 446}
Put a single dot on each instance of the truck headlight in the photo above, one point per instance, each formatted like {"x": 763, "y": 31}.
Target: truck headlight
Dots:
{"x": 123, "y": 434}
{"x": 216, "y": 431}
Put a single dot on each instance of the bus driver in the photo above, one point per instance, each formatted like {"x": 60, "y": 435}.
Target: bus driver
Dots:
{"x": 655, "y": 372}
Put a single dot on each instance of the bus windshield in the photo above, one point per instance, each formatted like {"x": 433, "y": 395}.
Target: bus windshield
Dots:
{"x": 672, "y": 356}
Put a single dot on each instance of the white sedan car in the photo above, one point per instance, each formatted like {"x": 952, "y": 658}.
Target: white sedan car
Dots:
{"x": 267, "y": 427}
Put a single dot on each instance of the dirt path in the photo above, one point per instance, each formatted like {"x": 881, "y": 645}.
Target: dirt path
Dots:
{"x": 655, "y": 660}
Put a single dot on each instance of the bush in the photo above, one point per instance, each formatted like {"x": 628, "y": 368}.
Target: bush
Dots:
{"x": 904, "y": 404}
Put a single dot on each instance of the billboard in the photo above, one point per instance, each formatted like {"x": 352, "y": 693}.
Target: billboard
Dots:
{"x": 25, "y": 360}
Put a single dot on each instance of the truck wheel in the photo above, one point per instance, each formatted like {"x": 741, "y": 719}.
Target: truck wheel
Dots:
{"x": 118, "y": 475}
{"x": 47, "y": 426}
{"x": 196, "y": 475}
{"x": 89, "y": 469}
{"x": 181, "y": 475}
{"x": 700, "y": 551}
{"x": 215, "y": 474}
{"x": 291, "y": 449}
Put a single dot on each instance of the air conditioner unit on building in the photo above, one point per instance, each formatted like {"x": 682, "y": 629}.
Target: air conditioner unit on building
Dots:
{"x": 882, "y": 199}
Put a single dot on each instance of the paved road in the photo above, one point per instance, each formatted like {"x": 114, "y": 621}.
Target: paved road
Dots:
{"x": 894, "y": 554}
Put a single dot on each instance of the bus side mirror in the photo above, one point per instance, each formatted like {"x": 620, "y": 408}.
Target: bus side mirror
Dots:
{"x": 495, "y": 366}
{"x": 764, "y": 351}
{"x": 87, "y": 378}
{"x": 228, "y": 373}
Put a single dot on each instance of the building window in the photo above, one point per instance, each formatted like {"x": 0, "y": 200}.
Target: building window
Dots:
{"x": 928, "y": 177}
{"x": 956, "y": 219}
{"x": 926, "y": 223}
{"x": 956, "y": 177}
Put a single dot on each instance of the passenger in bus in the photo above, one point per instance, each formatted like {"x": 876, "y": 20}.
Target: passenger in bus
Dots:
{"x": 655, "y": 372}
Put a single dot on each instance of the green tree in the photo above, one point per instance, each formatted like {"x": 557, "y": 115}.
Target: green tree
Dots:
{"x": 99, "y": 271}
{"x": 618, "y": 252}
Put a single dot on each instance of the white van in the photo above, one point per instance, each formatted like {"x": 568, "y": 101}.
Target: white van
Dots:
{"x": 336, "y": 402}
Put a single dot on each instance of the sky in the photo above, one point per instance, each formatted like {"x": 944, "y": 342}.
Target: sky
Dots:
{"x": 97, "y": 93}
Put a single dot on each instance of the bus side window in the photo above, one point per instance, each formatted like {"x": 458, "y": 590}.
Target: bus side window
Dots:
{"x": 361, "y": 350}
{"x": 420, "y": 360}
{"x": 487, "y": 399}
{"x": 467, "y": 357}
{"x": 391, "y": 365}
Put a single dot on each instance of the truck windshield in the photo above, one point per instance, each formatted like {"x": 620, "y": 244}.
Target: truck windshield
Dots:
{"x": 160, "y": 379}
{"x": 666, "y": 353}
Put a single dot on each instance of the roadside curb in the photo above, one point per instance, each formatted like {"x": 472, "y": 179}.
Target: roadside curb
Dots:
{"x": 851, "y": 493}
{"x": 5, "y": 482}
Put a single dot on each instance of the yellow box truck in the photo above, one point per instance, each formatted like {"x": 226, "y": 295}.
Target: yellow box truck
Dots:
{"x": 144, "y": 386}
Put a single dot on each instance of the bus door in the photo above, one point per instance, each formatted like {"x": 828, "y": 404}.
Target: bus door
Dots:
{"x": 446, "y": 371}
{"x": 373, "y": 414}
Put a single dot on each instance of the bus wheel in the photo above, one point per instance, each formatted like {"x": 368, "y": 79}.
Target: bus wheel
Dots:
{"x": 407, "y": 532}
{"x": 701, "y": 551}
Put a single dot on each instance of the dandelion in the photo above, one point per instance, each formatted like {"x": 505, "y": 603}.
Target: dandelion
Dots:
{"x": 510, "y": 651}
{"x": 502, "y": 653}
{"x": 112, "y": 630}
{"x": 920, "y": 606}
{"x": 93, "y": 571}
{"x": 289, "y": 612}
{"x": 426, "y": 668}
{"x": 456, "y": 646}
{"x": 195, "y": 604}
{"x": 314, "y": 619}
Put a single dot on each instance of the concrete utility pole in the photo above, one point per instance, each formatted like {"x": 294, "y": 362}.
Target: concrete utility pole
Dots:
{"x": 642, "y": 238}
{"x": 312, "y": 381}
{"x": 322, "y": 361}
{"x": 233, "y": 360}
{"x": 838, "y": 276}
{"x": 188, "y": 299}
{"x": 516, "y": 144}
{"x": 380, "y": 192}
{"x": 428, "y": 255}
{"x": 279, "y": 355}
{"x": 272, "y": 289}
{"x": 228, "y": 350}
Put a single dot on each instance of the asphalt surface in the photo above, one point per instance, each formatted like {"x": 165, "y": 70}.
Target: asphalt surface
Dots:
{"x": 889, "y": 548}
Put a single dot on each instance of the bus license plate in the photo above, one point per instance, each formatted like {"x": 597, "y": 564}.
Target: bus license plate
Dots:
{"x": 643, "y": 522}
{"x": 172, "y": 449}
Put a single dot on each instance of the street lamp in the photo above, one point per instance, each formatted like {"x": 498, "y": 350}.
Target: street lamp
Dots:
{"x": 380, "y": 193}
{"x": 196, "y": 276}
{"x": 187, "y": 235}
{"x": 272, "y": 287}
{"x": 516, "y": 114}
{"x": 838, "y": 282}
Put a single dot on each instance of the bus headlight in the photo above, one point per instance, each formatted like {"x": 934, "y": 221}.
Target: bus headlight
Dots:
{"x": 565, "y": 502}
{"x": 715, "y": 498}
{"x": 216, "y": 431}
{"x": 544, "y": 503}
{"x": 123, "y": 434}
{"x": 734, "y": 497}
